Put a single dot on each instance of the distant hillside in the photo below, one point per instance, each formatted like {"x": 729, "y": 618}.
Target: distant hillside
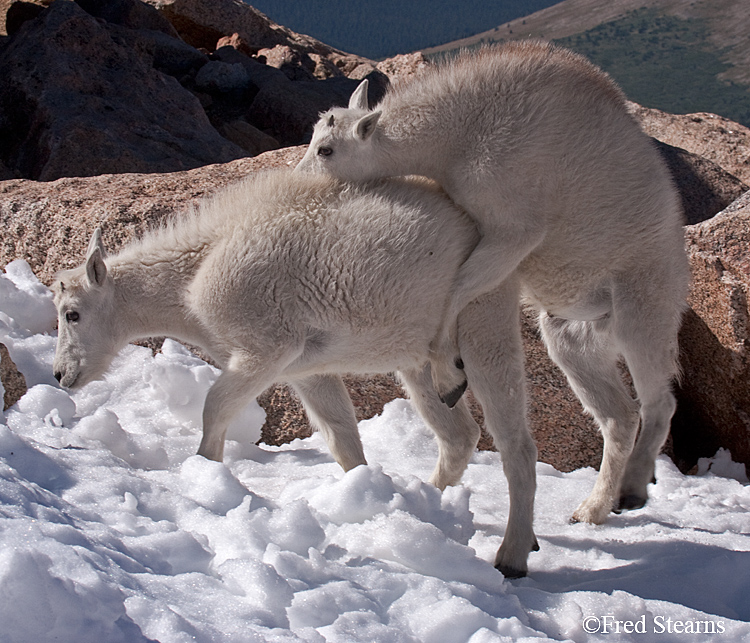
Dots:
{"x": 680, "y": 56}
{"x": 382, "y": 28}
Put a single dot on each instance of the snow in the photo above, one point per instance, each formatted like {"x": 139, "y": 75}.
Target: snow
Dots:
{"x": 111, "y": 529}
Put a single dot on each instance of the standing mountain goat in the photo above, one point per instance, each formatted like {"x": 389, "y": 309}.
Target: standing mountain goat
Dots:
{"x": 296, "y": 278}
{"x": 573, "y": 204}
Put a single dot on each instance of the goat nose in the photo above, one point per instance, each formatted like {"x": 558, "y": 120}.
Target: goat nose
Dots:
{"x": 58, "y": 375}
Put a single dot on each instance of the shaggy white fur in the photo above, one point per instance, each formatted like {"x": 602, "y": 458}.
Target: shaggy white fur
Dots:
{"x": 298, "y": 278}
{"x": 572, "y": 200}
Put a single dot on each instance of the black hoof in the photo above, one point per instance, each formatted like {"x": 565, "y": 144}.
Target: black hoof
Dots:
{"x": 452, "y": 398}
{"x": 535, "y": 546}
{"x": 511, "y": 572}
{"x": 630, "y": 502}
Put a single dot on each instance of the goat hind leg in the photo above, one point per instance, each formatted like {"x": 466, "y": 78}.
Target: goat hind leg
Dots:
{"x": 501, "y": 249}
{"x": 329, "y": 409}
{"x": 585, "y": 352}
{"x": 651, "y": 356}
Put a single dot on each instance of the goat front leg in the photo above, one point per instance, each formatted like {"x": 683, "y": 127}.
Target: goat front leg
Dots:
{"x": 456, "y": 431}
{"x": 329, "y": 409}
{"x": 495, "y": 258}
{"x": 237, "y": 385}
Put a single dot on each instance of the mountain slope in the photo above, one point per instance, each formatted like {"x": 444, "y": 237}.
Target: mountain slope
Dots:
{"x": 676, "y": 55}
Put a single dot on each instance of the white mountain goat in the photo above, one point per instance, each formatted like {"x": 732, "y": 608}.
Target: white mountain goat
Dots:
{"x": 296, "y": 278}
{"x": 572, "y": 202}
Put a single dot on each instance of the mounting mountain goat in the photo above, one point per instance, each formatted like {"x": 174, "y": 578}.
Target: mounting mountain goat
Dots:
{"x": 572, "y": 201}
{"x": 287, "y": 277}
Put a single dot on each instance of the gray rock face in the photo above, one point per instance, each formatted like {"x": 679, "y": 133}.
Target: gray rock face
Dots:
{"x": 714, "y": 396}
{"x": 705, "y": 188}
{"x": 216, "y": 76}
{"x": 109, "y": 86}
{"x": 78, "y": 99}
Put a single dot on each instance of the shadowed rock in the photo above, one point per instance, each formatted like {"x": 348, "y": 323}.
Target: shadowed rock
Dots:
{"x": 78, "y": 99}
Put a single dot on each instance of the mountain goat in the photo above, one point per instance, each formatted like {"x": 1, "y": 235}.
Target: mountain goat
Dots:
{"x": 572, "y": 200}
{"x": 295, "y": 278}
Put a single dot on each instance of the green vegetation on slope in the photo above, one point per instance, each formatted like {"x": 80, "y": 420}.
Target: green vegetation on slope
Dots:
{"x": 664, "y": 62}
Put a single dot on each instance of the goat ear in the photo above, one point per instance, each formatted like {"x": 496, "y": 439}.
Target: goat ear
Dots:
{"x": 359, "y": 97}
{"x": 365, "y": 126}
{"x": 96, "y": 269}
{"x": 96, "y": 242}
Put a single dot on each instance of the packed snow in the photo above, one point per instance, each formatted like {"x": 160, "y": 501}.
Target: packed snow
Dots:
{"x": 112, "y": 530}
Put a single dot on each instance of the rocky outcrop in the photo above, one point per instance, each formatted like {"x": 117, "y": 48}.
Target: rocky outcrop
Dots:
{"x": 201, "y": 23}
{"x": 714, "y": 397}
{"x": 49, "y": 224}
{"x": 710, "y": 136}
{"x": 13, "y": 381}
{"x": 283, "y": 108}
{"x": 705, "y": 188}
{"x": 109, "y": 86}
{"x": 81, "y": 97}
{"x": 403, "y": 66}
{"x": 710, "y": 175}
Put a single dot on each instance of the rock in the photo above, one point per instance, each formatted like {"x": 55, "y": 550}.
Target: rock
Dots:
{"x": 236, "y": 42}
{"x": 276, "y": 101}
{"x": 714, "y": 396}
{"x": 132, "y": 14}
{"x": 288, "y": 61}
{"x": 288, "y": 110}
{"x": 324, "y": 67}
{"x": 78, "y": 100}
{"x": 705, "y": 188}
{"x": 403, "y": 66}
{"x": 13, "y": 13}
{"x": 13, "y": 381}
{"x": 86, "y": 92}
{"x": 204, "y": 23}
{"x": 713, "y": 137}
{"x": 249, "y": 138}
{"x": 260, "y": 74}
{"x": 49, "y": 224}
{"x": 169, "y": 55}
{"x": 217, "y": 76}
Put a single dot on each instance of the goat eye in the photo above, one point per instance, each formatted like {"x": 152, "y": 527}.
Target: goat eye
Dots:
{"x": 325, "y": 151}
{"x": 72, "y": 316}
